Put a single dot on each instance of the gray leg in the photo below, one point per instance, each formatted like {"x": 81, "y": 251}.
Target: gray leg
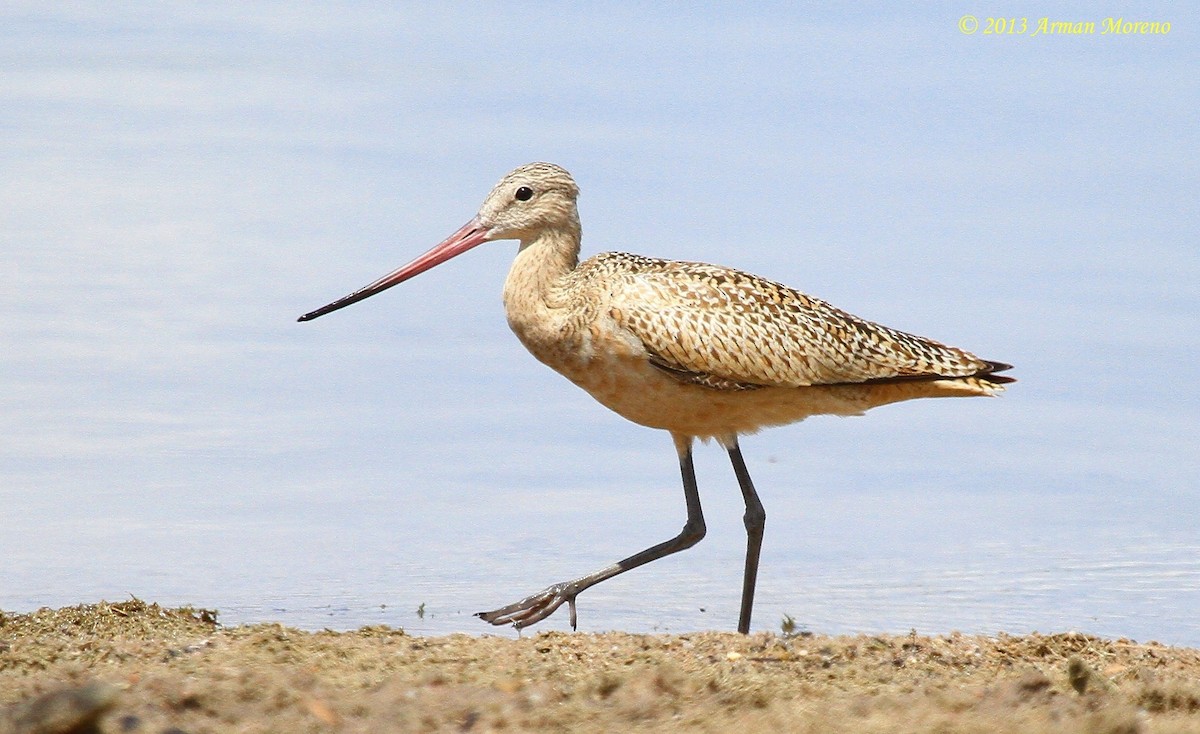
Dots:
{"x": 535, "y": 608}
{"x": 755, "y": 520}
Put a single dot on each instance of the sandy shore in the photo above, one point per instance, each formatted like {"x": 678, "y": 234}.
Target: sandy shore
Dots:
{"x": 136, "y": 667}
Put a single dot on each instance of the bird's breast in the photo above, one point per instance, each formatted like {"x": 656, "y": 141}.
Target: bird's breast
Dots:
{"x": 583, "y": 344}
{"x": 612, "y": 365}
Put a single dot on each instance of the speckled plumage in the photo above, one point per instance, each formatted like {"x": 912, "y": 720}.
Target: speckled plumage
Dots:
{"x": 734, "y": 326}
{"x": 703, "y": 350}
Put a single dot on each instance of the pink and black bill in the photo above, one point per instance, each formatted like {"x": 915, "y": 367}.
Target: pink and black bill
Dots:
{"x": 470, "y": 235}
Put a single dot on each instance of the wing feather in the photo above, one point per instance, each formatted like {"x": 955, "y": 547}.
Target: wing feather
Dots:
{"x": 733, "y": 330}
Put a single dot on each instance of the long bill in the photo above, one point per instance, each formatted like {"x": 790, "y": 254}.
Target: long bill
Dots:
{"x": 469, "y": 235}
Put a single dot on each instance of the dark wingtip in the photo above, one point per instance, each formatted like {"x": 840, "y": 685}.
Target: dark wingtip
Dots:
{"x": 990, "y": 375}
{"x": 987, "y": 373}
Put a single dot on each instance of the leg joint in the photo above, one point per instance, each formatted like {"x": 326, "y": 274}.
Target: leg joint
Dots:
{"x": 693, "y": 532}
{"x": 755, "y": 517}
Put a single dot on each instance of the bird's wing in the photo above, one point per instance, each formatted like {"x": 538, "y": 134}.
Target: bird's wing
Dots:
{"x": 732, "y": 330}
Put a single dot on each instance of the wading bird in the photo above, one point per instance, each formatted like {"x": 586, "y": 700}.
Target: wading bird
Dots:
{"x": 698, "y": 350}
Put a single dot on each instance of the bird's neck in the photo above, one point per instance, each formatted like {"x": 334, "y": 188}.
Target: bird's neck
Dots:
{"x": 537, "y": 292}
{"x": 542, "y": 264}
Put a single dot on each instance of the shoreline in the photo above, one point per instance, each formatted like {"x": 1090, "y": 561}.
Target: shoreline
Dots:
{"x": 136, "y": 666}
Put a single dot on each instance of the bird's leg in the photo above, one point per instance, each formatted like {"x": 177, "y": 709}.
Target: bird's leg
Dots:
{"x": 535, "y": 608}
{"x": 755, "y": 520}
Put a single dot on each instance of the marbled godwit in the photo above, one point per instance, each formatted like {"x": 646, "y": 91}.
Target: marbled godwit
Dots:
{"x": 698, "y": 350}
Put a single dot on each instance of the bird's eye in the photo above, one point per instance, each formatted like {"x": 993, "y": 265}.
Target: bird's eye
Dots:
{"x": 524, "y": 193}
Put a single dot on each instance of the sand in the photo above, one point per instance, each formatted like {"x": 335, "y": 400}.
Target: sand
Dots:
{"x": 138, "y": 667}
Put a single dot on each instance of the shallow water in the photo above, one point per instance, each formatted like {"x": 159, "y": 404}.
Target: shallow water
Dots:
{"x": 181, "y": 188}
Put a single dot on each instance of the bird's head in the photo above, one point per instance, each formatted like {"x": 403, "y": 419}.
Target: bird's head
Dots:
{"x": 530, "y": 199}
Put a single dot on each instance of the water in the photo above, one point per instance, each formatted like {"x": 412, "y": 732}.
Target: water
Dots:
{"x": 179, "y": 188}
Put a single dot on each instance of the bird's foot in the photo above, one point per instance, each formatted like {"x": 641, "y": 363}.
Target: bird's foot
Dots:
{"x": 534, "y": 608}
